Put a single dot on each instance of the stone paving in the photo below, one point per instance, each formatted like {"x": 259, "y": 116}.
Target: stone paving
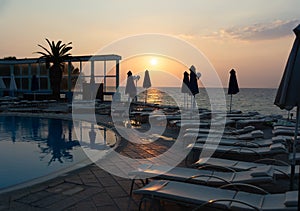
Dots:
{"x": 88, "y": 188}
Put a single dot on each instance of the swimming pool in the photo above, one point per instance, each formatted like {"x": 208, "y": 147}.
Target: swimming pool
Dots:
{"x": 32, "y": 148}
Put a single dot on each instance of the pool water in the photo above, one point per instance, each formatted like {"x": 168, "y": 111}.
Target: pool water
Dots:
{"x": 32, "y": 147}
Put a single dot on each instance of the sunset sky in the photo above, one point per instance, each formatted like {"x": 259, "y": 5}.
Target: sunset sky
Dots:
{"x": 252, "y": 36}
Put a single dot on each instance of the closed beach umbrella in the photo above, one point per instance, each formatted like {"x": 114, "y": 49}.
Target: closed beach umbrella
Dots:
{"x": 12, "y": 85}
{"x": 185, "y": 83}
{"x": 34, "y": 84}
{"x": 185, "y": 86}
{"x": 193, "y": 83}
{"x": 288, "y": 94}
{"x": 130, "y": 88}
{"x": 146, "y": 83}
{"x": 233, "y": 87}
{"x": 2, "y": 84}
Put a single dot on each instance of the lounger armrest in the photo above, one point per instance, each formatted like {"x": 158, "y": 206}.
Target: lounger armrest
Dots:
{"x": 271, "y": 161}
{"x": 245, "y": 185}
{"x": 211, "y": 202}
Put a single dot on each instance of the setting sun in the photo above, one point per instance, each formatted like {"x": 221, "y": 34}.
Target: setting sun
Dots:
{"x": 153, "y": 61}
{"x": 161, "y": 68}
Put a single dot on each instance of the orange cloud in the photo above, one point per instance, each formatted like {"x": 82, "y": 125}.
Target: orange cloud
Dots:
{"x": 258, "y": 31}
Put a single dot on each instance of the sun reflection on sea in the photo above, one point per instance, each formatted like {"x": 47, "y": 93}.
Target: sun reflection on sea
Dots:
{"x": 156, "y": 96}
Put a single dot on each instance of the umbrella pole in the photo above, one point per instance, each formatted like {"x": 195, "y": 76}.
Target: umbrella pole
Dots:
{"x": 187, "y": 100}
{"x": 146, "y": 96}
{"x": 294, "y": 152}
{"x": 230, "y": 103}
{"x": 195, "y": 102}
{"x": 294, "y": 155}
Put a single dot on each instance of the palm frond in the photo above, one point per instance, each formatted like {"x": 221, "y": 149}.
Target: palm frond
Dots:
{"x": 58, "y": 43}
{"x": 65, "y": 50}
{"x": 43, "y": 53}
{"x": 57, "y": 53}
{"x": 49, "y": 43}
{"x": 45, "y": 49}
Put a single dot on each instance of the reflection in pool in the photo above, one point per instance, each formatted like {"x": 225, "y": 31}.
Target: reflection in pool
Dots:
{"x": 32, "y": 147}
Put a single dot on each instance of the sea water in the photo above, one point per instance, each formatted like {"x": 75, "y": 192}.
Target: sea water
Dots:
{"x": 259, "y": 100}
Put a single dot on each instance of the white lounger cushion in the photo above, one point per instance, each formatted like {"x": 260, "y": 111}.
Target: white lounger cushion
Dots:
{"x": 199, "y": 194}
{"x": 196, "y": 133}
{"x": 246, "y": 129}
{"x": 263, "y": 174}
{"x": 242, "y": 143}
{"x": 188, "y": 193}
{"x": 286, "y": 132}
{"x": 279, "y": 171}
{"x": 273, "y": 149}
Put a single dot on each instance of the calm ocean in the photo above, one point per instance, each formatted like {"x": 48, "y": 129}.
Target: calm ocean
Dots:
{"x": 247, "y": 100}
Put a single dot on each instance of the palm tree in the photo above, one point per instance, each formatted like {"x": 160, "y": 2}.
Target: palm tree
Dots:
{"x": 57, "y": 55}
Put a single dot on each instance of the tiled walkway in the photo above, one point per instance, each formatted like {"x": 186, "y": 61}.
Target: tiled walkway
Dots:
{"x": 89, "y": 188}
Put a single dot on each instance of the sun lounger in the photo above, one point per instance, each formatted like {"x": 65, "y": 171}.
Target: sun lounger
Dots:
{"x": 245, "y": 122}
{"x": 247, "y": 115}
{"x": 200, "y": 196}
{"x": 247, "y": 136}
{"x": 276, "y": 148}
{"x": 192, "y": 124}
{"x": 281, "y": 169}
{"x": 225, "y": 132}
{"x": 236, "y": 152}
{"x": 284, "y": 127}
{"x": 284, "y": 122}
{"x": 259, "y": 175}
{"x": 283, "y": 131}
{"x": 241, "y": 143}
{"x": 197, "y": 124}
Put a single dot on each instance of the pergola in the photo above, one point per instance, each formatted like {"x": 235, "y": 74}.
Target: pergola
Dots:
{"x": 95, "y": 68}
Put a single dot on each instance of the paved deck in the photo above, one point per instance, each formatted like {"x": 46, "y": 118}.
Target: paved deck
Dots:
{"x": 88, "y": 188}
